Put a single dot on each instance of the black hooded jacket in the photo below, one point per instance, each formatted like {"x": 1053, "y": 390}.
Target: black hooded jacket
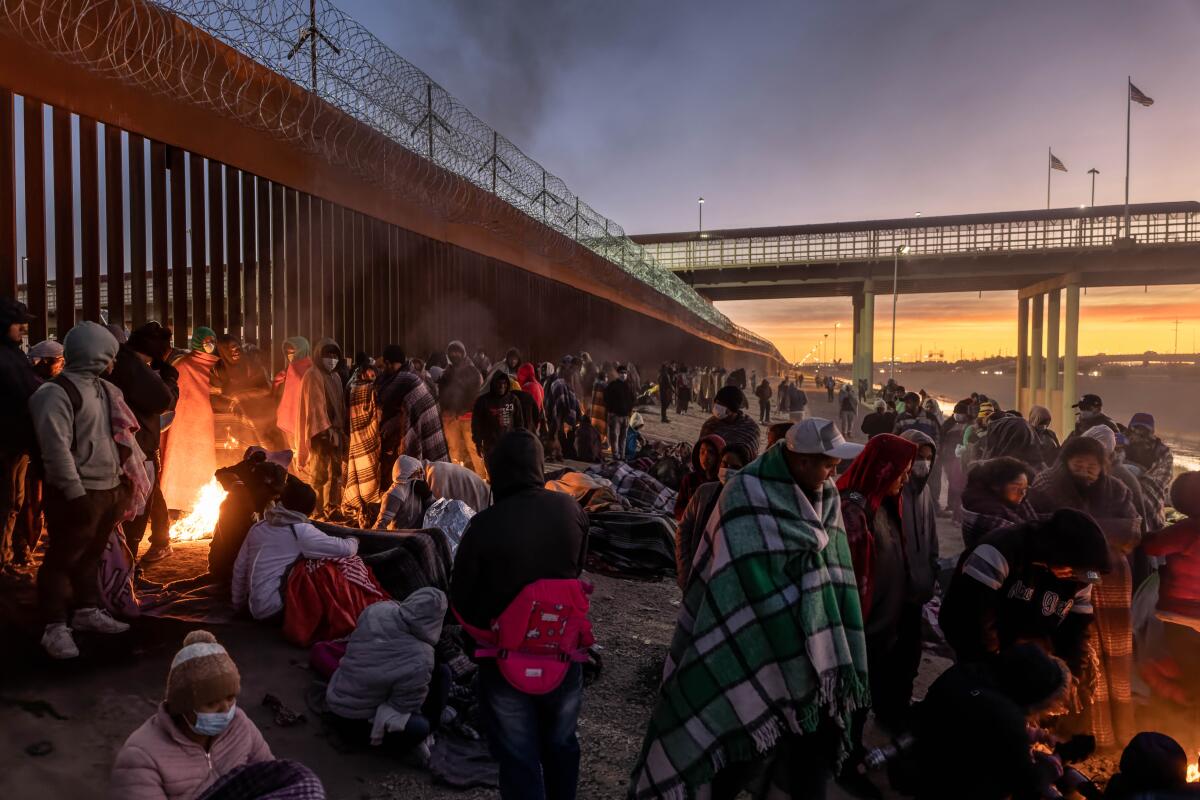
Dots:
{"x": 17, "y": 384}
{"x": 528, "y": 534}
{"x": 149, "y": 393}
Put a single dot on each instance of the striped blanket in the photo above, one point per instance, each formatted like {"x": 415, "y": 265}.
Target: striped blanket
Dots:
{"x": 769, "y": 640}
{"x": 643, "y": 491}
{"x": 362, "y": 464}
{"x": 1111, "y": 713}
{"x": 412, "y": 422}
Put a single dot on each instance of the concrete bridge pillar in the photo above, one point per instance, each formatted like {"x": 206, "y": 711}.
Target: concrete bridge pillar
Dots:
{"x": 864, "y": 334}
{"x": 1035, "y": 351}
{"x": 1053, "y": 305}
{"x": 1022, "y": 377}
{"x": 1064, "y": 417}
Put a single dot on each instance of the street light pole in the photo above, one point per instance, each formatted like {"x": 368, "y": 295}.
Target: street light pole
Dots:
{"x": 1093, "y": 172}
{"x": 902, "y": 249}
{"x": 825, "y": 351}
{"x": 700, "y": 225}
{"x": 836, "y": 325}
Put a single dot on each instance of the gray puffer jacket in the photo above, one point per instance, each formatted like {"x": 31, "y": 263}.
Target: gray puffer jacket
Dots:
{"x": 385, "y": 673}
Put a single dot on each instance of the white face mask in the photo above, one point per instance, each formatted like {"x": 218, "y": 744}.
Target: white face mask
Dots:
{"x": 209, "y": 347}
{"x": 213, "y": 723}
{"x": 720, "y": 411}
{"x": 725, "y": 473}
{"x": 920, "y": 468}
{"x": 330, "y": 363}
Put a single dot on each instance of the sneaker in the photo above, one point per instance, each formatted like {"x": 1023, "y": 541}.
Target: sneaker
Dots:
{"x": 97, "y": 620}
{"x": 58, "y": 642}
{"x": 157, "y": 552}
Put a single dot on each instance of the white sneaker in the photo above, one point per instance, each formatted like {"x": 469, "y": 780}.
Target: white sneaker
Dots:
{"x": 97, "y": 620}
{"x": 58, "y": 642}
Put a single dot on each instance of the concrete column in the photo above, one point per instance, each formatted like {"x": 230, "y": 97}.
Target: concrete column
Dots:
{"x": 857, "y": 371}
{"x": 1022, "y": 350}
{"x": 867, "y": 339}
{"x": 1054, "y": 303}
{"x": 1035, "y": 352}
{"x": 1065, "y": 419}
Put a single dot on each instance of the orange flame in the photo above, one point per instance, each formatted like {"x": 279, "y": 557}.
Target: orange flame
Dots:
{"x": 1193, "y": 773}
{"x": 200, "y": 521}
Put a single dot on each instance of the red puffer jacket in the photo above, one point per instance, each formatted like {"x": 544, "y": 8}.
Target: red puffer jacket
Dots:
{"x": 1179, "y": 590}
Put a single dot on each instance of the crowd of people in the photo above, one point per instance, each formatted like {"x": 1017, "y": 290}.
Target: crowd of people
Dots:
{"x": 808, "y": 566}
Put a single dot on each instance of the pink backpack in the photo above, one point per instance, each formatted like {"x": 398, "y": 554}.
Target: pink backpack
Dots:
{"x": 543, "y": 631}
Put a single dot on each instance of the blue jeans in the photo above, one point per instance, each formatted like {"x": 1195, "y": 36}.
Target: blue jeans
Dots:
{"x": 533, "y": 736}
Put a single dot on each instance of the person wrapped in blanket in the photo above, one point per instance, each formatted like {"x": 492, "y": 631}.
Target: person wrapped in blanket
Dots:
{"x": 273, "y": 545}
{"x": 1027, "y": 583}
{"x": 388, "y": 690}
{"x": 199, "y": 744}
{"x": 417, "y": 485}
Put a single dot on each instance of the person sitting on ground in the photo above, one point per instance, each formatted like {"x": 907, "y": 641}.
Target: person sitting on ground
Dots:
{"x": 777, "y": 527}
{"x": 706, "y": 458}
{"x": 417, "y": 484}
{"x": 700, "y": 506}
{"x": 1179, "y": 590}
{"x": 730, "y": 422}
{"x": 529, "y": 534}
{"x": 1031, "y": 582}
{"x": 272, "y": 547}
{"x": 878, "y": 421}
{"x": 777, "y": 433}
{"x": 1153, "y": 767}
{"x": 198, "y": 734}
{"x": 387, "y": 689}
{"x": 971, "y": 733}
{"x": 250, "y": 485}
{"x": 996, "y": 497}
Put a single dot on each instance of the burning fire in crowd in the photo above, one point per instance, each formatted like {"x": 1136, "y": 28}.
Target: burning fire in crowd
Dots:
{"x": 1193, "y": 773}
{"x": 200, "y": 521}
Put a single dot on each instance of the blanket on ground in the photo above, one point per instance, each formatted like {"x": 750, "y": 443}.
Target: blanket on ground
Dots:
{"x": 770, "y": 637}
{"x": 642, "y": 491}
{"x": 630, "y": 544}
{"x": 324, "y": 596}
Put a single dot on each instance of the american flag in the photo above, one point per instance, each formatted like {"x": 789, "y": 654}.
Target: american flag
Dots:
{"x": 1055, "y": 163}
{"x": 1138, "y": 96}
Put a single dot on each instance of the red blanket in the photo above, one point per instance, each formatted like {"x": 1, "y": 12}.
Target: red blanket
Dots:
{"x": 324, "y": 596}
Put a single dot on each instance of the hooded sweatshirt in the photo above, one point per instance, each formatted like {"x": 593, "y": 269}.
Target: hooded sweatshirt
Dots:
{"x": 322, "y": 406}
{"x": 528, "y": 534}
{"x": 18, "y": 382}
{"x": 696, "y": 478}
{"x": 459, "y": 384}
{"x": 78, "y": 449}
{"x": 270, "y": 549}
{"x": 919, "y": 521}
{"x": 385, "y": 673}
{"x": 494, "y": 415}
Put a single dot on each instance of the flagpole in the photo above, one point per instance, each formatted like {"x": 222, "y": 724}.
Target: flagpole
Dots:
{"x": 1128, "y": 119}
{"x": 1049, "y": 155}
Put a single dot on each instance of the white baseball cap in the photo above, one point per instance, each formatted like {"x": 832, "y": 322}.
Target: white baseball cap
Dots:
{"x": 816, "y": 436}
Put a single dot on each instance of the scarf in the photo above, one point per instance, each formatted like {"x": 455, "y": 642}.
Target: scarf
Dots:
{"x": 362, "y": 465}
{"x": 770, "y": 637}
{"x": 876, "y": 469}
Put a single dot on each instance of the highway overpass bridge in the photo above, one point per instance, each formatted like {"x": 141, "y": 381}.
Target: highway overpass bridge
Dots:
{"x": 1045, "y": 256}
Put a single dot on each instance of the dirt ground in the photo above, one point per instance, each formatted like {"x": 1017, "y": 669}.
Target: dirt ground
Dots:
{"x": 85, "y": 709}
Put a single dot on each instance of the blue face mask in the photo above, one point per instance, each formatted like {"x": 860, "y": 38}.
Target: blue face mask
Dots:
{"x": 213, "y": 723}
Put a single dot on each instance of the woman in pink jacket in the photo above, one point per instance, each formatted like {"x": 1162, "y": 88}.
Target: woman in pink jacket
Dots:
{"x": 199, "y": 743}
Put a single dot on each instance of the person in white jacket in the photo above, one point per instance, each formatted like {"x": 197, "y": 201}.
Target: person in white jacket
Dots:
{"x": 274, "y": 544}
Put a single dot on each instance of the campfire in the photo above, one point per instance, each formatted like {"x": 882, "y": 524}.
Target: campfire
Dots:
{"x": 200, "y": 521}
{"x": 1193, "y": 773}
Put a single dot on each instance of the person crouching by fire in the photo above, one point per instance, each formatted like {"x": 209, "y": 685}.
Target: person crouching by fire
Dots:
{"x": 1027, "y": 583}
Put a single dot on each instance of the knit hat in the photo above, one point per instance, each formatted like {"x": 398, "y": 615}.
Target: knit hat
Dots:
{"x": 1029, "y": 676}
{"x": 731, "y": 397}
{"x": 986, "y": 408}
{"x": 46, "y": 349}
{"x": 1154, "y": 762}
{"x": 1185, "y": 494}
{"x": 202, "y": 333}
{"x": 201, "y": 673}
{"x": 1105, "y": 436}
{"x": 1142, "y": 420}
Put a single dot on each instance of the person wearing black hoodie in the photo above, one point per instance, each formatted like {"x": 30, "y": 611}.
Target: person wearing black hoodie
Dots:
{"x": 17, "y": 384}
{"x": 528, "y": 534}
{"x": 151, "y": 387}
{"x": 1033, "y": 583}
{"x": 457, "y": 389}
{"x": 496, "y": 412}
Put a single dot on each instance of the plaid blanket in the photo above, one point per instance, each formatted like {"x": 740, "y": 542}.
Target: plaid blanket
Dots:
{"x": 769, "y": 640}
{"x": 267, "y": 780}
{"x": 1111, "y": 713}
{"x": 643, "y": 491}
{"x": 412, "y": 422}
{"x": 362, "y": 465}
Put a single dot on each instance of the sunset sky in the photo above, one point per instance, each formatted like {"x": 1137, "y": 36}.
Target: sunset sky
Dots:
{"x": 787, "y": 113}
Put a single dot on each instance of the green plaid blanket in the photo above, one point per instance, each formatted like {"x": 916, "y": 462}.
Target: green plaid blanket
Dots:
{"x": 769, "y": 639}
